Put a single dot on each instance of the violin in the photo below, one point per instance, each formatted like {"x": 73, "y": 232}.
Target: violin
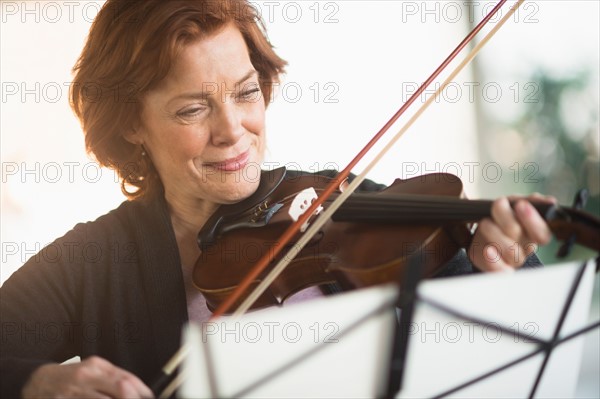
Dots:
{"x": 301, "y": 221}
{"x": 368, "y": 240}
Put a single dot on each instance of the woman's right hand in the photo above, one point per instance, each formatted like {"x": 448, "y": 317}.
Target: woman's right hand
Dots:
{"x": 94, "y": 377}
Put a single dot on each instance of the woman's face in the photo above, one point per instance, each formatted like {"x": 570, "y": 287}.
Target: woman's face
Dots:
{"x": 204, "y": 126}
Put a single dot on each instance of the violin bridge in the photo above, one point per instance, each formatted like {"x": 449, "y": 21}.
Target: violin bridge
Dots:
{"x": 301, "y": 203}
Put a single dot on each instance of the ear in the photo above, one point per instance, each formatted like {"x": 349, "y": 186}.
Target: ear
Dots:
{"x": 134, "y": 136}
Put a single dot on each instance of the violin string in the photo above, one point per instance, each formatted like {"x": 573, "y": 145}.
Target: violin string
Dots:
{"x": 329, "y": 211}
{"x": 410, "y": 204}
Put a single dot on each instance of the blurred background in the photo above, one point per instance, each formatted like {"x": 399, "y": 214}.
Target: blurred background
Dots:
{"x": 523, "y": 118}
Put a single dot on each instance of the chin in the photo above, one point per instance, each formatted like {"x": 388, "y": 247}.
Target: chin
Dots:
{"x": 239, "y": 191}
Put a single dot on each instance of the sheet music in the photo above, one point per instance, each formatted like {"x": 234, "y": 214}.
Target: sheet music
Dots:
{"x": 444, "y": 350}
{"x": 261, "y": 342}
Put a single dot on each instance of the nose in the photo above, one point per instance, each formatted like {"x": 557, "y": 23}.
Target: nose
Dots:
{"x": 227, "y": 128}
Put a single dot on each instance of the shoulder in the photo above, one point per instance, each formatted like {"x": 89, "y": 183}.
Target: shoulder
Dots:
{"x": 116, "y": 225}
{"x": 109, "y": 241}
{"x": 127, "y": 220}
{"x": 88, "y": 264}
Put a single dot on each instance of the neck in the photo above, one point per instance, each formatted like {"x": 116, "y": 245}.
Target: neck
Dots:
{"x": 187, "y": 218}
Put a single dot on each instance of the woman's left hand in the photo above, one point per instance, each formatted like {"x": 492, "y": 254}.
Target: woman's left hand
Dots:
{"x": 505, "y": 240}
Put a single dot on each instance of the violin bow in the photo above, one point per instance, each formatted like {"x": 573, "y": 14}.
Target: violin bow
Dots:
{"x": 325, "y": 215}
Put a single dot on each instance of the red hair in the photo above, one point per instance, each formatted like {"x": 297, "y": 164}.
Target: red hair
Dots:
{"x": 130, "y": 49}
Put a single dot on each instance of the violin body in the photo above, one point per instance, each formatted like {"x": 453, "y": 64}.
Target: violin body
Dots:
{"x": 353, "y": 252}
{"x": 368, "y": 240}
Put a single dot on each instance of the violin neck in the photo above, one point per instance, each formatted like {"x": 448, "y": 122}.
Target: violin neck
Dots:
{"x": 406, "y": 208}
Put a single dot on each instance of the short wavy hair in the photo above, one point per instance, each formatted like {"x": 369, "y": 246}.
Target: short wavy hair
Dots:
{"x": 129, "y": 51}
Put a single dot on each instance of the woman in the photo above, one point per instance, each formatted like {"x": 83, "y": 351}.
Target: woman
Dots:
{"x": 172, "y": 95}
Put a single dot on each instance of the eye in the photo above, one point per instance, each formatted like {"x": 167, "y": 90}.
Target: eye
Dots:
{"x": 251, "y": 94}
{"x": 190, "y": 112}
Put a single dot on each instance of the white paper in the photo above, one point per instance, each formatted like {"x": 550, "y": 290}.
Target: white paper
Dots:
{"x": 444, "y": 351}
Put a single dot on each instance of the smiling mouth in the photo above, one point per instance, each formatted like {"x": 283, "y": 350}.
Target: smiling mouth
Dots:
{"x": 231, "y": 164}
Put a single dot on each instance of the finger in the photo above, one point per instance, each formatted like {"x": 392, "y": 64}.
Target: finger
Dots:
{"x": 88, "y": 393}
{"x": 494, "y": 251}
{"x": 504, "y": 217}
{"x": 64, "y": 381}
{"x": 122, "y": 384}
{"x": 535, "y": 228}
{"x": 117, "y": 387}
{"x": 493, "y": 259}
{"x": 508, "y": 251}
{"x": 142, "y": 389}
{"x": 116, "y": 382}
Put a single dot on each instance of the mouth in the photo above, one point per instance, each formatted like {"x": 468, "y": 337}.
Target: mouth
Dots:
{"x": 231, "y": 164}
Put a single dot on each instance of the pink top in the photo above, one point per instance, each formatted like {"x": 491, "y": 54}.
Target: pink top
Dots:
{"x": 196, "y": 304}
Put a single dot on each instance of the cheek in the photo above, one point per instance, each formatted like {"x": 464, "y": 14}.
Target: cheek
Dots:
{"x": 179, "y": 145}
{"x": 255, "y": 119}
